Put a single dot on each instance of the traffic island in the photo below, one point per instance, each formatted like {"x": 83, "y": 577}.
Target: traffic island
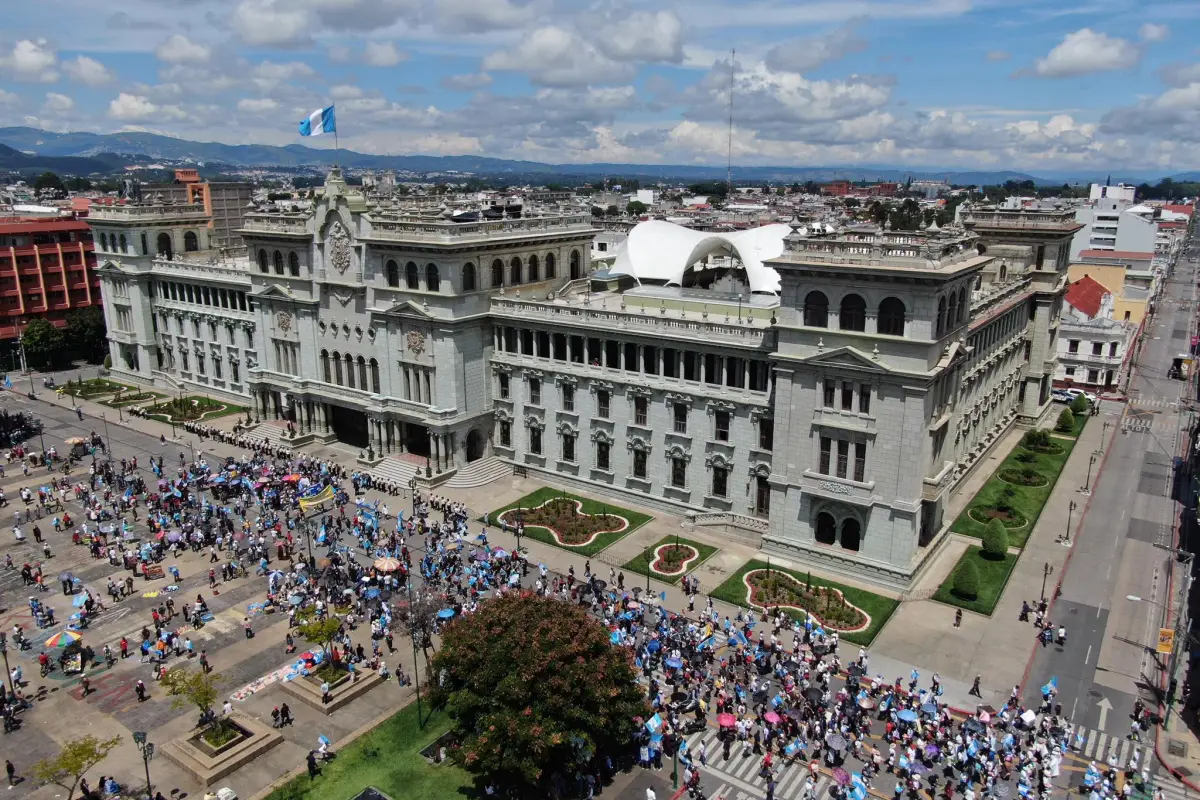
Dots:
{"x": 245, "y": 739}
{"x": 307, "y": 689}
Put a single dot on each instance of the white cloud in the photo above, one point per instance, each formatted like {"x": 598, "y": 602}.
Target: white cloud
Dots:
{"x": 57, "y": 103}
{"x": 810, "y": 53}
{"x": 339, "y": 53}
{"x": 1084, "y": 52}
{"x": 383, "y": 54}
{"x": 257, "y": 106}
{"x": 998, "y": 55}
{"x": 132, "y": 108}
{"x": 1180, "y": 74}
{"x": 31, "y": 60}
{"x": 345, "y": 91}
{"x": 272, "y": 22}
{"x": 473, "y": 16}
{"x": 179, "y": 49}
{"x": 1151, "y": 32}
{"x": 468, "y": 82}
{"x": 643, "y": 36}
{"x": 87, "y": 71}
{"x": 554, "y": 56}
{"x": 8, "y": 98}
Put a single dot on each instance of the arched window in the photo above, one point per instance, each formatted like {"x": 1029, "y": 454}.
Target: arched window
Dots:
{"x": 350, "y": 370}
{"x": 104, "y": 241}
{"x": 533, "y": 268}
{"x": 277, "y": 260}
{"x": 164, "y": 244}
{"x": 374, "y": 376}
{"x": 337, "y": 368}
{"x": 433, "y": 282}
{"x": 263, "y": 261}
{"x": 853, "y": 314}
{"x": 549, "y": 266}
{"x": 826, "y": 532}
{"x": 891, "y": 317}
{"x": 362, "y": 373}
{"x": 514, "y": 271}
{"x": 941, "y": 317}
{"x": 951, "y": 310}
{"x": 125, "y": 249}
{"x": 851, "y": 534}
{"x": 1003, "y": 272}
{"x": 497, "y": 274}
{"x": 962, "y": 304}
{"x": 392, "y": 269}
{"x": 575, "y": 271}
{"x": 325, "y": 366}
{"x": 468, "y": 277}
{"x": 412, "y": 278}
{"x": 190, "y": 242}
{"x": 816, "y": 310}
{"x": 294, "y": 265}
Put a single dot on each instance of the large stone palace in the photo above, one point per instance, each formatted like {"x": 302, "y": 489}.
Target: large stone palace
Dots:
{"x": 826, "y": 416}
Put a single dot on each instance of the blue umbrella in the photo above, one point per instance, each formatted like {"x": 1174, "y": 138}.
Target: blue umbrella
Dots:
{"x": 907, "y": 715}
{"x": 296, "y": 599}
{"x": 79, "y": 601}
{"x": 929, "y": 708}
{"x": 446, "y": 613}
{"x": 654, "y": 646}
{"x": 674, "y": 663}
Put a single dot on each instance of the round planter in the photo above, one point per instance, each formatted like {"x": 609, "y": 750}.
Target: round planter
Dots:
{"x": 1009, "y": 524}
{"x": 683, "y": 566}
{"x": 510, "y": 518}
{"x": 1044, "y": 480}
{"x": 754, "y": 601}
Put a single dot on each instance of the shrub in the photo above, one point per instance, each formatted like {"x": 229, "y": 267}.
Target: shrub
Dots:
{"x": 108, "y": 362}
{"x": 1080, "y": 405}
{"x": 995, "y": 540}
{"x": 1066, "y": 421}
{"x": 966, "y": 580}
{"x": 1036, "y": 439}
{"x": 1026, "y": 457}
{"x": 1004, "y": 501}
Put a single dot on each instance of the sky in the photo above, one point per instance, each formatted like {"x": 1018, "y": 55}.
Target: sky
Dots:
{"x": 979, "y": 84}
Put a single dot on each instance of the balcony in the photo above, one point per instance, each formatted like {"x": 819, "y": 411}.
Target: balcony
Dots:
{"x": 401, "y": 229}
{"x": 1000, "y": 219}
{"x": 147, "y": 212}
{"x": 276, "y": 224}
{"x": 1103, "y": 360}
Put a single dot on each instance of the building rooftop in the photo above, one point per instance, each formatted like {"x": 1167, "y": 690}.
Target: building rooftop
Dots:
{"x": 1087, "y": 295}
{"x": 1128, "y": 255}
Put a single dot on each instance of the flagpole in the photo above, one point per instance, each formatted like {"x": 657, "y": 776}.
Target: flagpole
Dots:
{"x": 337, "y": 160}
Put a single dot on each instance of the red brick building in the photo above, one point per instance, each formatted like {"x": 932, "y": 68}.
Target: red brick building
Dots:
{"x": 47, "y": 268}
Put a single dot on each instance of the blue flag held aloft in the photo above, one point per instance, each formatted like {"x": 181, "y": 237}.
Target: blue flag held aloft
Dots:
{"x": 320, "y": 121}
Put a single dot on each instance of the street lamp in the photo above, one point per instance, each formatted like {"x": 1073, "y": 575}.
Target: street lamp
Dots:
{"x": 1087, "y": 485}
{"x": 147, "y": 750}
{"x": 107, "y": 439}
{"x": 1066, "y": 539}
{"x": 4, "y": 652}
{"x": 1047, "y": 568}
{"x": 412, "y": 635}
{"x": 412, "y": 485}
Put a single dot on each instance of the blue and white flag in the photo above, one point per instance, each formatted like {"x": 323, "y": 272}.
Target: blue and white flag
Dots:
{"x": 318, "y": 122}
{"x": 7, "y": 382}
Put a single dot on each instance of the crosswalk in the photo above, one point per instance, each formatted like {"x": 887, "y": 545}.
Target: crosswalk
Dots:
{"x": 1099, "y": 746}
{"x": 740, "y": 777}
{"x": 1138, "y": 403}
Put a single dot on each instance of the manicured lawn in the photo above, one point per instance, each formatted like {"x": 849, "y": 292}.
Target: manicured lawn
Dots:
{"x": 993, "y": 575}
{"x": 131, "y": 398}
{"x": 1027, "y": 500}
{"x": 94, "y": 387}
{"x": 879, "y": 608}
{"x": 600, "y": 542}
{"x": 193, "y": 408}
{"x": 388, "y": 758}
{"x": 641, "y": 563}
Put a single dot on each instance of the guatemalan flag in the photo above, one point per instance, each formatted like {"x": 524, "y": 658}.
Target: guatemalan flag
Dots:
{"x": 318, "y": 122}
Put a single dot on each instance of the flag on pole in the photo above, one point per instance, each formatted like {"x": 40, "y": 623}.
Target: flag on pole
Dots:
{"x": 319, "y": 122}
{"x": 324, "y": 496}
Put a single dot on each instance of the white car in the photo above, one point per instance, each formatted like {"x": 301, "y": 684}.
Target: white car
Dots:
{"x": 1073, "y": 393}
{"x": 1060, "y": 396}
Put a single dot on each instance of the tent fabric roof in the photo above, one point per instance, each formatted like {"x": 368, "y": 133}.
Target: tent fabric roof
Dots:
{"x": 662, "y": 251}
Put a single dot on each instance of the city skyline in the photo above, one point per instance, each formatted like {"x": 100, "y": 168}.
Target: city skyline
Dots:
{"x": 952, "y": 83}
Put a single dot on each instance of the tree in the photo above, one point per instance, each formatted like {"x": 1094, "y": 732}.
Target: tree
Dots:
{"x": 611, "y": 211}
{"x": 44, "y": 343}
{"x": 87, "y": 332}
{"x": 536, "y": 691}
{"x": 421, "y": 619}
{"x": 73, "y": 761}
{"x": 1066, "y": 421}
{"x": 850, "y": 202}
{"x": 318, "y": 630}
{"x": 1080, "y": 405}
{"x": 995, "y": 540}
{"x": 966, "y": 580}
{"x": 189, "y": 687}
{"x": 50, "y": 184}
{"x": 635, "y": 208}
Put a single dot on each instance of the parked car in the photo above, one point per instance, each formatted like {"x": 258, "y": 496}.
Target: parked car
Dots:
{"x": 1060, "y": 396}
{"x": 1073, "y": 393}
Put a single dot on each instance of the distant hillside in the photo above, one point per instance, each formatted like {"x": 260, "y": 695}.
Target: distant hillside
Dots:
{"x": 11, "y": 159}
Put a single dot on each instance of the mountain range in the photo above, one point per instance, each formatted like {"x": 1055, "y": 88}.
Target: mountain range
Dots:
{"x": 84, "y": 153}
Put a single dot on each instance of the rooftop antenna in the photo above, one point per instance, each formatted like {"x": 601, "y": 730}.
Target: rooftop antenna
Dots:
{"x": 729, "y": 146}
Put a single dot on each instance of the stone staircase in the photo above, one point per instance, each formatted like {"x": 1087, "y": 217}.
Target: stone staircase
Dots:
{"x": 276, "y": 435}
{"x": 479, "y": 473}
{"x": 395, "y": 470}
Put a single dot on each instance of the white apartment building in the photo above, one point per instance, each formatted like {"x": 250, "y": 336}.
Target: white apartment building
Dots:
{"x": 1092, "y": 345}
{"x": 1113, "y": 224}
{"x": 1122, "y": 192}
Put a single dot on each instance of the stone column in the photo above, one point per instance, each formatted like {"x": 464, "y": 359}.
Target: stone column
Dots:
{"x": 435, "y": 444}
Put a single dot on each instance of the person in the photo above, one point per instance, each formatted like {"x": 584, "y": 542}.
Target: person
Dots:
{"x": 140, "y": 689}
{"x": 650, "y": 795}
{"x": 958, "y": 618}
{"x": 12, "y": 773}
{"x": 285, "y": 715}
{"x": 325, "y": 698}
{"x": 312, "y": 765}
{"x": 975, "y": 688}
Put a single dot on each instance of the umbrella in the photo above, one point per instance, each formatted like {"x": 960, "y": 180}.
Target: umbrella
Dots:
{"x": 841, "y": 777}
{"x": 1002, "y": 790}
{"x": 794, "y": 713}
{"x": 654, "y": 647}
{"x": 835, "y": 741}
{"x": 866, "y": 703}
{"x": 771, "y": 717}
{"x": 66, "y": 576}
{"x": 812, "y": 694}
{"x": 632, "y": 604}
{"x": 453, "y": 546}
{"x": 907, "y": 715}
{"x": 446, "y": 613}
{"x": 917, "y": 767}
{"x": 931, "y": 751}
{"x": 296, "y": 599}
{"x": 674, "y": 663}
{"x": 76, "y": 440}
{"x": 80, "y": 600}
{"x": 600, "y": 585}
{"x": 63, "y": 640}
{"x": 973, "y": 725}
{"x": 678, "y": 697}
{"x": 291, "y": 478}
{"x": 726, "y": 720}
{"x": 929, "y": 708}
{"x": 1029, "y": 717}
{"x": 387, "y": 564}
{"x": 500, "y": 553}
{"x": 174, "y": 536}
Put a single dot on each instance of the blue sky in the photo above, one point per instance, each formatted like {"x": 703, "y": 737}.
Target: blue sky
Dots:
{"x": 1024, "y": 84}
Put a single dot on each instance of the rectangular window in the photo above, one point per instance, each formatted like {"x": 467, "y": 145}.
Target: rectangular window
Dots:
{"x": 1070, "y": 371}
{"x": 641, "y": 408}
{"x": 1073, "y": 346}
{"x": 602, "y": 404}
{"x": 843, "y": 458}
{"x": 1093, "y": 376}
{"x": 1097, "y": 348}
{"x": 826, "y": 450}
{"x": 535, "y": 392}
{"x": 639, "y": 463}
{"x": 602, "y": 456}
{"x": 568, "y": 397}
{"x": 860, "y": 461}
{"x": 830, "y": 390}
{"x": 502, "y": 378}
{"x": 678, "y": 473}
{"x": 864, "y": 398}
{"x": 568, "y": 447}
{"x": 1127, "y": 316}
{"x": 720, "y": 482}
{"x": 847, "y": 396}
{"x": 681, "y": 414}
{"x": 535, "y": 441}
{"x": 506, "y": 434}
{"x": 722, "y": 426}
{"x": 1112, "y": 349}
{"x": 766, "y": 434}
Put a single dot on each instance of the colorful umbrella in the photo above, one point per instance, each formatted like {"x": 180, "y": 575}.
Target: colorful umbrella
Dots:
{"x": 841, "y": 777}
{"x": 446, "y": 613}
{"x": 387, "y": 564}
{"x": 771, "y": 717}
{"x": 726, "y": 720}
{"x": 63, "y": 640}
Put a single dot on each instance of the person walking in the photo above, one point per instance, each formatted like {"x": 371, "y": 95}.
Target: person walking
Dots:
{"x": 958, "y": 618}
{"x": 312, "y": 765}
{"x": 975, "y": 688}
{"x": 12, "y": 773}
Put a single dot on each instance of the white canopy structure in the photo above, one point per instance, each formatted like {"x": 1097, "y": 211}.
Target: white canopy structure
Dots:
{"x": 661, "y": 252}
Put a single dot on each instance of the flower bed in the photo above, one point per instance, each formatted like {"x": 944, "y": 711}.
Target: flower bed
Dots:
{"x": 122, "y": 400}
{"x": 672, "y": 559}
{"x": 578, "y": 524}
{"x": 94, "y": 387}
{"x": 1011, "y": 518}
{"x": 774, "y": 589}
{"x": 190, "y": 409}
{"x": 659, "y": 562}
{"x": 1023, "y": 477}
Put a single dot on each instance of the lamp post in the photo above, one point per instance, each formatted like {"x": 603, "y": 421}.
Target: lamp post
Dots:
{"x": 4, "y": 653}
{"x": 1087, "y": 485}
{"x": 1047, "y": 568}
{"x": 412, "y": 635}
{"x": 147, "y": 750}
{"x": 107, "y": 439}
{"x": 412, "y": 485}
{"x": 25, "y": 365}
{"x": 1067, "y": 536}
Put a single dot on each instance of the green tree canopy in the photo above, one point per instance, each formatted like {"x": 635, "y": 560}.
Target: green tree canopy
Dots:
{"x": 189, "y": 687}
{"x": 995, "y": 539}
{"x": 50, "y": 183}
{"x": 318, "y": 630}
{"x": 44, "y": 343}
{"x": 635, "y": 208}
{"x": 966, "y": 579}
{"x": 1066, "y": 421}
{"x": 87, "y": 333}
{"x": 73, "y": 761}
{"x": 1080, "y": 405}
{"x": 536, "y": 690}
